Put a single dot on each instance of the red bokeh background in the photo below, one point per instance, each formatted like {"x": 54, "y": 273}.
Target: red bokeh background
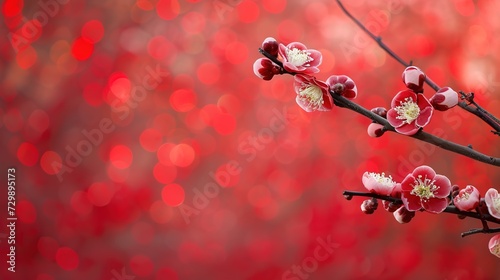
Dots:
{"x": 119, "y": 115}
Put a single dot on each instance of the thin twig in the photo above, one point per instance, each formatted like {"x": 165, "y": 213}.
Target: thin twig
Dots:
{"x": 480, "y": 230}
{"x": 478, "y": 111}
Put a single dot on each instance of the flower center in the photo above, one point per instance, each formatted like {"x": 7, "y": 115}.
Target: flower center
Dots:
{"x": 382, "y": 179}
{"x": 496, "y": 250}
{"x": 424, "y": 188}
{"x": 408, "y": 110}
{"x": 496, "y": 202}
{"x": 313, "y": 95}
{"x": 298, "y": 57}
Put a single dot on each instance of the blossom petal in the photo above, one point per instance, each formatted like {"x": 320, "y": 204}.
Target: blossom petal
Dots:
{"x": 407, "y": 129}
{"x": 304, "y": 105}
{"x": 411, "y": 202}
{"x": 491, "y": 198}
{"x": 392, "y": 118}
{"x": 406, "y": 184}
{"x": 444, "y": 185}
{"x": 435, "y": 205}
{"x": 316, "y": 56}
{"x": 401, "y": 96}
{"x": 494, "y": 245}
{"x": 424, "y": 171}
{"x": 424, "y": 117}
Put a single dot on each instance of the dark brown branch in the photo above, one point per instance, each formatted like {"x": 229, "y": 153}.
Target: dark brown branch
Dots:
{"x": 480, "y": 230}
{"x": 477, "y": 111}
{"x": 421, "y": 135}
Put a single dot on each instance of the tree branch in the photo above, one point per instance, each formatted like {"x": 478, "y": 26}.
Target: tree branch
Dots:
{"x": 478, "y": 111}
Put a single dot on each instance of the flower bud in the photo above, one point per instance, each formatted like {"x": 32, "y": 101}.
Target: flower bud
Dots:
{"x": 467, "y": 199}
{"x": 381, "y": 111}
{"x": 403, "y": 216}
{"x": 375, "y": 130}
{"x": 494, "y": 245}
{"x": 369, "y": 206}
{"x": 271, "y": 46}
{"x": 492, "y": 199}
{"x": 390, "y": 206}
{"x": 444, "y": 99}
{"x": 414, "y": 78}
{"x": 265, "y": 69}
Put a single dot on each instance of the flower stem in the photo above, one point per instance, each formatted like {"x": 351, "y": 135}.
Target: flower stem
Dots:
{"x": 478, "y": 111}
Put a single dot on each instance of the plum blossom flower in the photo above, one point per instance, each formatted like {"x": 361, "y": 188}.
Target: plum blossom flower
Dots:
{"x": 271, "y": 46}
{"x": 409, "y": 112}
{"x": 342, "y": 85}
{"x": 414, "y": 78}
{"x": 494, "y": 245}
{"x": 444, "y": 99}
{"x": 265, "y": 69}
{"x": 423, "y": 188}
{"x": 378, "y": 183}
{"x": 467, "y": 199}
{"x": 297, "y": 58}
{"x": 312, "y": 95}
{"x": 492, "y": 199}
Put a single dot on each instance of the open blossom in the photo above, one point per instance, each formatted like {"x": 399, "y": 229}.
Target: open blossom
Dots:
{"x": 265, "y": 69}
{"x": 492, "y": 199}
{"x": 378, "y": 183}
{"x": 409, "y": 112}
{"x": 297, "y": 58}
{"x": 342, "y": 85}
{"x": 312, "y": 95}
{"x": 494, "y": 245}
{"x": 414, "y": 78}
{"x": 423, "y": 188}
{"x": 467, "y": 199}
{"x": 444, "y": 99}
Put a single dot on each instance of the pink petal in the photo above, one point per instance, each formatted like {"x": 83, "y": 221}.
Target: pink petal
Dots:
{"x": 406, "y": 184}
{"x": 424, "y": 171}
{"x": 411, "y": 202}
{"x": 392, "y": 118}
{"x": 424, "y": 117}
{"x": 304, "y": 105}
{"x": 444, "y": 185}
{"x": 407, "y": 129}
{"x": 316, "y": 56}
{"x": 489, "y": 197}
{"x": 422, "y": 102}
{"x": 401, "y": 96}
{"x": 435, "y": 205}
{"x": 494, "y": 245}
{"x": 297, "y": 45}
{"x": 327, "y": 98}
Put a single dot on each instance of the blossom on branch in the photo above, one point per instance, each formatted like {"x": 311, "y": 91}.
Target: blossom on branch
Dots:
{"x": 342, "y": 85}
{"x": 444, "y": 99}
{"x": 271, "y": 46}
{"x": 492, "y": 199}
{"x": 265, "y": 69}
{"x": 467, "y": 199}
{"x": 402, "y": 215}
{"x": 424, "y": 189}
{"x": 312, "y": 95}
{"x": 409, "y": 112}
{"x": 494, "y": 245}
{"x": 297, "y": 58}
{"x": 414, "y": 78}
{"x": 378, "y": 183}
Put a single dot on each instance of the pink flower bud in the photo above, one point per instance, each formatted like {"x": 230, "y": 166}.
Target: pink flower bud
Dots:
{"x": 265, "y": 69}
{"x": 342, "y": 85}
{"x": 402, "y": 215}
{"x": 375, "y": 130}
{"x": 467, "y": 199}
{"x": 494, "y": 245}
{"x": 444, "y": 99}
{"x": 381, "y": 111}
{"x": 414, "y": 78}
{"x": 492, "y": 200}
{"x": 390, "y": 206}
{"x": 271, "y": 46}
{"x": 369, "y": 206}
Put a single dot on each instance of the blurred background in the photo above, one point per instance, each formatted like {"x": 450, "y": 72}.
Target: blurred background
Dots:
{"x": 146, "y": 148}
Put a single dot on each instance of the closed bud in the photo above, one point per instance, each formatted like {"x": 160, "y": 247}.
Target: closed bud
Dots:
{"x": 414, "y": 79}
{"x": 403, "y": 216}
{"x": 369, "y": 206}
{"x": 271, "y": 46}
{"x": 381, "y": 111}
{"x": 444, "y": 99}
{"x": 390, "y": 206}
{"x": 375, "y": 130}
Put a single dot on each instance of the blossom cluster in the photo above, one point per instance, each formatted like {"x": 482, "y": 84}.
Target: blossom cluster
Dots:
{"x": 296, "y": 59}
{"x": 424, "y": 190}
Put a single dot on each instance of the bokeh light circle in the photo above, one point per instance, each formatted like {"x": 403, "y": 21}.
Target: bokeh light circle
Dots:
{"x": 173, "y": 195}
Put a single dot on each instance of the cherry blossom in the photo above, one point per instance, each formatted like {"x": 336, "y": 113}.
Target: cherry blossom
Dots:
{"x": 342, "y": 85}
{"x": 494, "y": 245}
{"x": 297, "y": 58}
{"x": 423, "y": 188}
{"x": 414, "y": 78}
{"x": 467, "y": 199}
{"x": 492, "y": 199}
{"x": 378, "y": 183}
{"x": 444, "y": 99}
{"x": 312, "y": 95}
{"x": 409, "y": 112}
{"x": 265, "y": 69}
